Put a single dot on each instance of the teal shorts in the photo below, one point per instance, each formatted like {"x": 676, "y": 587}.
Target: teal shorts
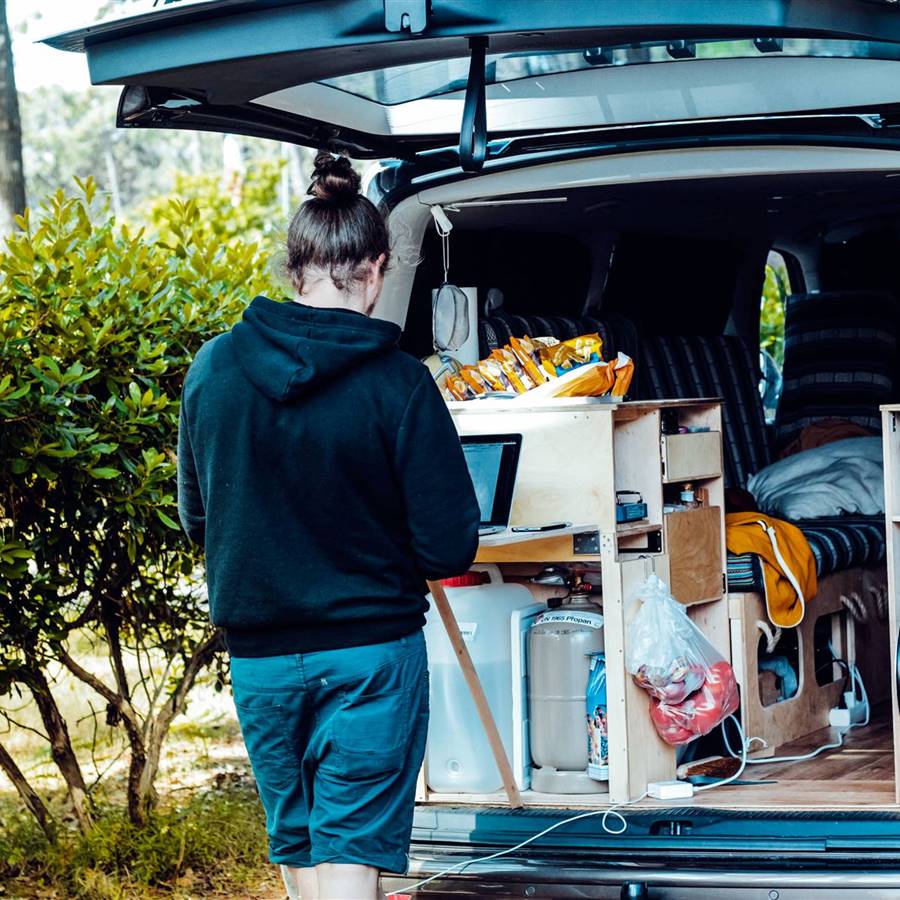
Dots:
{"x": 336, "y": 739}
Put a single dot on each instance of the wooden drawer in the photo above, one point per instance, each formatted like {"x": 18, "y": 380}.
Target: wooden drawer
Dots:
{"x": 694, "y": 545}
{"x": 687, "y": 457}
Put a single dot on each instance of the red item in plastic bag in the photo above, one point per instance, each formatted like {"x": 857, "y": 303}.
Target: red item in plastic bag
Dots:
{"x": 692, "y": 687}
{"x": 718, "y": 698}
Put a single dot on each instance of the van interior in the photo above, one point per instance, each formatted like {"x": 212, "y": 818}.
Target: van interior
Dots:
{"x": 671, "y": 272}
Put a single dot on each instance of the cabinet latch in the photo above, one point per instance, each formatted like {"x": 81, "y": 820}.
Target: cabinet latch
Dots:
{"x": 406, "y": 15}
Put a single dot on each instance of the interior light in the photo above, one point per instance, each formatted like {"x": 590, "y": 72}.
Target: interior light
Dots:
{"x": 769, "y": 44}
{"x": 681, "y": 49}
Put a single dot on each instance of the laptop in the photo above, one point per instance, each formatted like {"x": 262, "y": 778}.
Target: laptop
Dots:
{"x": 493, "y": 460}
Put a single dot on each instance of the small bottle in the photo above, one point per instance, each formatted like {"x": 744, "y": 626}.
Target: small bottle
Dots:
{"x": 688, "y": 497}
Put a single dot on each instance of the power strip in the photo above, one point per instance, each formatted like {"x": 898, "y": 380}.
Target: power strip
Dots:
{"x": 670, "y": 790}
{"x": 853, "y": 712}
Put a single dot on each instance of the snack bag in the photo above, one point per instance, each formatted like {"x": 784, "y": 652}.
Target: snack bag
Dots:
{"x": 513, "y": 370}
{"x": 494, "y": 375}
{"x": 590, "y": 380}
{"x": 624, "y": 370}
{"x": 458, "y": 388}
{"x": 527, "y": 353}
{"x": 559, "y": 358}
{"x": 692, "y": 686}
{"x": 589, "y": 347}
{"x": 474, "y": 379}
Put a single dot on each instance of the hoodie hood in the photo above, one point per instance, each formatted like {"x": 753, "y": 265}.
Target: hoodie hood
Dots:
{"x": 287, "y": 349}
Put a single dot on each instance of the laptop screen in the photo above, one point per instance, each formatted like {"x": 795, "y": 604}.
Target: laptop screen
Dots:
{"x": 493, "y": 460}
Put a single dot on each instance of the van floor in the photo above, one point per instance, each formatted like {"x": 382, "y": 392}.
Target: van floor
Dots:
{"x": 858, "y": 775}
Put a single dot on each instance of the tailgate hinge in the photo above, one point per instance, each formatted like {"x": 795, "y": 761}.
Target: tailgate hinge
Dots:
{"x": 406, "y": 15}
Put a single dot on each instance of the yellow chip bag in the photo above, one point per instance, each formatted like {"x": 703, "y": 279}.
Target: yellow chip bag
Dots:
{"x": 593, "y": 380}
{"x": 588, "y": 346}
{"x": 559, "y": 358}
{"x": 624, "y": 373}
{"x": 493, "y": 373}
{"x": 474, "y": 379}
{"x": 513, "y": 370}
{"x": 527, "y": 353}
{"x": 457, "y": 387}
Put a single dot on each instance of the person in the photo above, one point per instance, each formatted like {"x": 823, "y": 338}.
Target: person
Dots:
{"x": 319, "y": 467}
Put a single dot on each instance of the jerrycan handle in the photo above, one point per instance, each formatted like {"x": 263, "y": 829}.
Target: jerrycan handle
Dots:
{"x": 493, "y": 572}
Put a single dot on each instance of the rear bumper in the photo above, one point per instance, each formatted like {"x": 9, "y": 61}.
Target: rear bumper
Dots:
{"x": 664, "y": 855}
{"x": 562, "y": 878}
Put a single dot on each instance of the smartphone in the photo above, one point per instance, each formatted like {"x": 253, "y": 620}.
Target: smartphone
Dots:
{"x": 529, "y": 529}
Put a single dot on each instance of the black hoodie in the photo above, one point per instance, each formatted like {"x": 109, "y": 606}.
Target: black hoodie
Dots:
{"x": 320, "y": 468}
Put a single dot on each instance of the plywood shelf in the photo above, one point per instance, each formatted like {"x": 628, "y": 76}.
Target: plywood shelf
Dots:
{"x": 641, "y": 527}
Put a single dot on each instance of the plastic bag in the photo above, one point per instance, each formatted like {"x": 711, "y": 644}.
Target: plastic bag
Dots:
{"x": 692, "y": 687}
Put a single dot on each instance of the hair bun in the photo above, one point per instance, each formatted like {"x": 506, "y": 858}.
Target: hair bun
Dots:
{"x": 333, "y": 178}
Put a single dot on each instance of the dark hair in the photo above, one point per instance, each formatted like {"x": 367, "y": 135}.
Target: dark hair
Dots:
{"x": 337, "y": 230}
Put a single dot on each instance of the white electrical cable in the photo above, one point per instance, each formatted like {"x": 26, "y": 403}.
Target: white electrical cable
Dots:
{"x": 744, "y": 745}
{"x": 856, "y": 679}
{"x": 605, "y": 813}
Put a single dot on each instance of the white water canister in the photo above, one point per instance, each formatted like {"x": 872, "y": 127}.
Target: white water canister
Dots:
{"x": 493, "y": 618}
{"x": 562, "y": 641}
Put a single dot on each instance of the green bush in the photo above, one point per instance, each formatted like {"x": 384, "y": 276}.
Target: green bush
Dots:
{"x": 98, "y": 323}
{"x": 774, "y": 296}
{"x": 216, "y": 841}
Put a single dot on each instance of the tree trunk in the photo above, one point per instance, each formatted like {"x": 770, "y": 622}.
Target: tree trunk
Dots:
{"x": 12, "y": 174}
{"x": 29, "y": 796}
{"x": 158, "y": 729}
{"x": 61, "y": 746}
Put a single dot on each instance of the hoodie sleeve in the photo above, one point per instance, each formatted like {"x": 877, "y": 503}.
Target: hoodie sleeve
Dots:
{"x": 440, "y": 498}
{"x": 191, "y": 510}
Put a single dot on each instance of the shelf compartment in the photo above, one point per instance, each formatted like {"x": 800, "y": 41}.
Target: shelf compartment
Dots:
{"x": 691, "y": 457}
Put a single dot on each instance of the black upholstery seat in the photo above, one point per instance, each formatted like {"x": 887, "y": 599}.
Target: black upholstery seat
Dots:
{"x": 618, "y": 333}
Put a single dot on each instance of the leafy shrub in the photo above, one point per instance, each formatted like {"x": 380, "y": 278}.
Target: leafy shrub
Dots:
{"x": 216, "y": 840}
{"x": 98, "y": 323}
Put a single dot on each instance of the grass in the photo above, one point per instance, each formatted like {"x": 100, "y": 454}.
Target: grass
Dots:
{"x": 206, "y": 839}
{"x": 212, "y": 844}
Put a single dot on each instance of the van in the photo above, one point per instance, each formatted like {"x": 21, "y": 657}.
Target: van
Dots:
{"x": 635, "y": 169}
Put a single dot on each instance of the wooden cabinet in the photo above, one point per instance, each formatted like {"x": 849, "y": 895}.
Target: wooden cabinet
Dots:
{"x": 576, "y": 455}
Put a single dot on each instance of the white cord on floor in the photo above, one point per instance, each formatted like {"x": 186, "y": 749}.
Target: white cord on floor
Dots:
{"x": 605, "y": 813}
{"x": 744, "y": 745}
{"x": 856, "y": 679}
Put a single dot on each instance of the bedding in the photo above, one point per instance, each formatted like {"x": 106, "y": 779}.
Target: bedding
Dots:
{"x": 842, "y": 478}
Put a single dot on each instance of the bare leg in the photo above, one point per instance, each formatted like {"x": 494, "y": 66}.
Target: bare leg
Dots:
{"x": 300, "y": 883}
{"x": 345, "y": 881}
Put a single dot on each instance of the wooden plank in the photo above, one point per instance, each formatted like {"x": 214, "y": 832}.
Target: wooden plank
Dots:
{"x": 637, "y": 754}
{"x": 477, "y": 691}
{"x": 545, "y": 550}
{"x": 694, "y": 545}
{"x": 692, "y": 457}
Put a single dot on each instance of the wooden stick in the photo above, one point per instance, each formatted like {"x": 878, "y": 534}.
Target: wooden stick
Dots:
{"x": 477, "y": 691}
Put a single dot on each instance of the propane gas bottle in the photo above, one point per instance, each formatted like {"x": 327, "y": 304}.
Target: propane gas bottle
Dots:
{"x": 561, "y": 642}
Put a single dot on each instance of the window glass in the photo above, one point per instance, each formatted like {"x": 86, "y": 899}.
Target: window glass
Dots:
{"x": 401, "y": 84}
{"x": 776, "y": 288}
